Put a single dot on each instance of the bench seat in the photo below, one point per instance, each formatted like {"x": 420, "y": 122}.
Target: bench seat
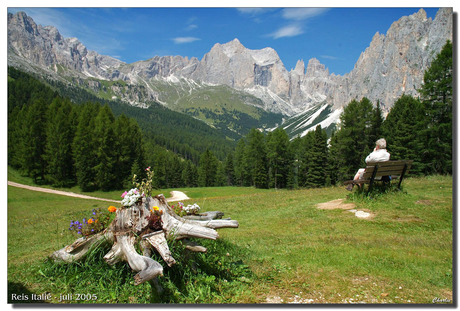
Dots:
{"x": 379, "y": 171}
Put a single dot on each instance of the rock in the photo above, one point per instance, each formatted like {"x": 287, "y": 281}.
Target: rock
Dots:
{"x": 392, "y": 65}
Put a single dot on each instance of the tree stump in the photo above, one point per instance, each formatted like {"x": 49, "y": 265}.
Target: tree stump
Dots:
{"x": 140, "y": 223}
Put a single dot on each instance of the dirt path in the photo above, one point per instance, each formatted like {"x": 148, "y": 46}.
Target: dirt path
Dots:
{"x": 175, "y": 195}
{"x": 338, "y": 204}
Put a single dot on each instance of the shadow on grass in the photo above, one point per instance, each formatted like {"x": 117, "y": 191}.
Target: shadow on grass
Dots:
{"x": 19, "y": 293}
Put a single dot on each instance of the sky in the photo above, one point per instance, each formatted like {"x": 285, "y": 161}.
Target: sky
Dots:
{"x": 335, "y": 36}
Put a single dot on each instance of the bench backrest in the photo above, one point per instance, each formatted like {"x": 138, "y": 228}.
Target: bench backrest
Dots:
{"x": 388, "y": 168}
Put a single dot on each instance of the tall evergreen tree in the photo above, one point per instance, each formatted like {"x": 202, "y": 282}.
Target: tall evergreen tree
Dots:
{"x": 58, "y": 148}
{"x": 402, "y": 128}
{"x": 207, "y": 170}
{"x": 229, "y": 170}
{"x": 34, "y": 140}
{"x": 256, "y": 153}
{"x": 436, "y": 94}
{"x": 106, "y": 178}
{"x": 318, "y": 159}
{"x": 241, "y": 165}
{"x": 279, "y": 158}
{"x": 85, "y": 147}
{"x": 190, "y": 174}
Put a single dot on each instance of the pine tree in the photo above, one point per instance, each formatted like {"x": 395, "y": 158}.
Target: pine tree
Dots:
{"x": 190, "y": 174}
{"x": 229, "y": 170}
{"x": 436, "y": 94}
{"x": 85, "y": 147}
{"x": 221, "y": 176}
{"x": 106, "y": 178}
{"x": 402, "y": 128}
{"x": 318, "y": 159}
{"x": 207, "y": 170}
{"x": 279, "y": 158}
{"x": 58, "y": 148}
{"x": 34, "y": 141}
{"x": 304, "y": 166}
{"x": 241, "y": 165}
{"x": 257, "y": 158}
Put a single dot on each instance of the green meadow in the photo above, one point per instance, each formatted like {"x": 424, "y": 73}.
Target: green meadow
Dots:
{"x": 285, "y": 250}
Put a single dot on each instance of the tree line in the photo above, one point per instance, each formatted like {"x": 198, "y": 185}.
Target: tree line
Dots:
{"x": 56, "y": 141}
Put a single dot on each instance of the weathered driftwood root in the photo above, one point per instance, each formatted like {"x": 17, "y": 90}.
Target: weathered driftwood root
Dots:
{"x": 134, "y": 224}
{"x": 78, "y": 249}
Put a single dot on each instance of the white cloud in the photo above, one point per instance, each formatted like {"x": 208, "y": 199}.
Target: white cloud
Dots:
{"x": 181, "y": 40}
{"x": 191, "y": 27}
{"x": 329, "y": 57}
{"x": 252, "y": 11}
{"x": 287, "y": 31}
{"x": 299, "y": 14}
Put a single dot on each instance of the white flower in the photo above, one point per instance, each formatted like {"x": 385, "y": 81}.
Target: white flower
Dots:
{"x": 192, "y": 209}
{"x": 131, "y": 197}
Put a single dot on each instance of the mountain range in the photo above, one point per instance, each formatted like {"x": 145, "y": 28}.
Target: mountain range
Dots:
{"x": 232, "y": 82}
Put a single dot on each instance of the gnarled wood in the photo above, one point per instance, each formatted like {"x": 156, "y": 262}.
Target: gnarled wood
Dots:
{"x": 140, "y": 223}
{"x": 80, "y": 247}
{"x": 205, "y": 216}
{"x": 147, "y": 267}
{"x": 194, "y": 247}
{"x": 158, "y": 241}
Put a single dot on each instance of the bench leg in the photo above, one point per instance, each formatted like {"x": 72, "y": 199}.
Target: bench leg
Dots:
{"x": 402, "y": 176}
{"x": 371, "y": 182}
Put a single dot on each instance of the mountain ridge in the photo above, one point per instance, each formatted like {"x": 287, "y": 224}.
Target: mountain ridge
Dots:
{"x": 392, "y": 65}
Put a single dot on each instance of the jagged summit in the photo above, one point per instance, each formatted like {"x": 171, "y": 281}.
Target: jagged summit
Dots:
{"x": 393, "y": 64}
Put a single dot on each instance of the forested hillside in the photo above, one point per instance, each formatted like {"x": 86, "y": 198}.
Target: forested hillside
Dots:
{"x": 57, "y": 141}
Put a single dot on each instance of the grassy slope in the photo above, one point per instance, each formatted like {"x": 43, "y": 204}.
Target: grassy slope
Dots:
{"x": 296, "y": 251}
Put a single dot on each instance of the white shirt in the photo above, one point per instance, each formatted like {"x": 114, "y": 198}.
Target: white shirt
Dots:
{"x": 379, "y": 155}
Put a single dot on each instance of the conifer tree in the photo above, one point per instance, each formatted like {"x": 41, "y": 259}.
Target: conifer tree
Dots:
{"x": 229, "y": 170}
{"x": 279, "y": 158}
{"x": 241, "y": 165}
{"x": 190, "y": 174}
{"x": 58, "y": 148}
{"x": 85, "y": 147}
{"x": 34, "y": 140}
{"x": 436, "y": 95}
{"x": 402, "y": 128}
{"x": 106, "y": 178}
{"x": 317, "y": 159}
{"x": 257, "y": 158}
{"x": 207, "y": 169}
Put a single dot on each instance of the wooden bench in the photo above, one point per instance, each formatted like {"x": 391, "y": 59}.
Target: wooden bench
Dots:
{"x": 382, "y": 171}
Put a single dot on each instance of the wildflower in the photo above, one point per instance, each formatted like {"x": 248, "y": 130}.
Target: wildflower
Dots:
{"x": 124, "y": 193}
{"x": 156, "y": 208}
{"x": 90, "y": 221}
{"x": 148, "y": 169}
{"x": 112, "y": 209}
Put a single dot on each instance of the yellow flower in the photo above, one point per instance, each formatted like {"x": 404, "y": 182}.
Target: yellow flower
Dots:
{"x": 90, "y": 221}
{"x": 156, "y": 208}
{"x": 112, "y": 209}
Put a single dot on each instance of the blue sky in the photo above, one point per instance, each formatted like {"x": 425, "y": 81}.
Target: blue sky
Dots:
{"x": 335, "y": 36}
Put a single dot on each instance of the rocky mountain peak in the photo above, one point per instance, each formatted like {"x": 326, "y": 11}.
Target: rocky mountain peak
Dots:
{"x": 299, "y": 68}
{"x": 316, "y": 69}
{"x": 233, "y": 47}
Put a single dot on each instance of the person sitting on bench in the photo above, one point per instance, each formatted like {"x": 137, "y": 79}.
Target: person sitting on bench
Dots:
{"x": 380, "y": 154}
